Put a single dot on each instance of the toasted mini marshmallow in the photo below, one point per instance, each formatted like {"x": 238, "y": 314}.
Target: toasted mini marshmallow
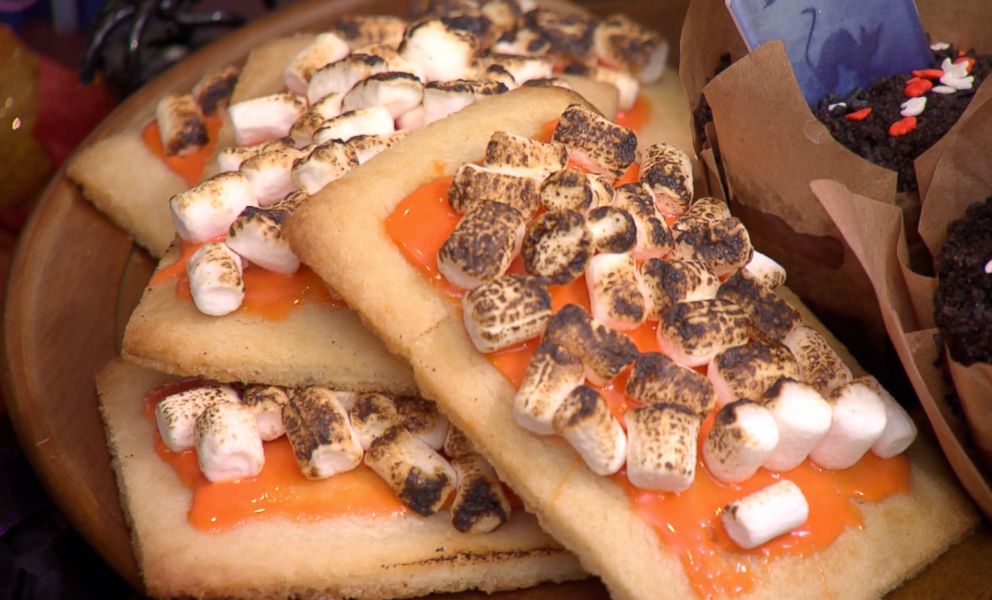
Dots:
{"x": 692, "y": 333}
{"x": 374, "y": 120}
{"x": 594, "y": 142}
{"x": 522, "y": 41}
{"x": 228, "y": 444}
{"x": 325, "y": 49}
{"x": 443, "y": 53}
{"x": 421, "y": 417}
{"x": 412, "y": 119}
{"x": 320, "y": 112}
{"x": 215, "y": 280}
{"x": 771, "y": 316}
{"x": 620, "y": 42}
{"x": 661, "y": 447}
{"x": 363, "y": 30}
{"x": 443, "y": 98}
{"x": 522, "y": 68}
{"x": 503, "y": 14}
{"x": 213, "y": 90}
{"x": 176, "y": 414}
{"x": 704, "y": 210}
{"x": 266, "y": 118}
{"x": 266, "y": 402}
{"x": 819, "y": 364}
{"x": 802, "y": 416}
{"x": 627, "y": 86}
{"x": 230, "y": 158}
{"x": 522, "y": 156}
{"x": 667, "y": 170}
{"x": 567, "y": 189}
{"x": 324, "y": 164}
{"x": 857, "y": 422}
{"x": 506, "y": 311}
{"x": 744, "y": 434}
{"x": 602, "y": 190}
{"x": 569, "y": 32}
{"x": 457, "y": 443}
{"x": 394, "y": 61}
{"x": 256, "y": 235}
{"x": 482, "y": 245}
{"x": 765, "y": 271}
{"x": 372, "y": 415}
{"x": 421, "y": 477}
{"x": 724, "y": 246}
{"x": 180, "y": 124}
{"x": 585, "y": 421}
{"x": 552, "y": 374}
{"x": 746, "y": 371}
{"x": 498, "y": 74}
{"x": 318, "y": 428}
{"x": 766, "y": 514}
{"x": 613, "y": 229}
{"x": 670, "y": 281}
{"x": 480, "y": 505}
{"x": 657, "y": 379}
{"x": 396, "y": 92}
{"x": 615, "y": 295}
{"x": 900, "y": 430}
{"x": 654, "y": 239}
{"x": 340, "y": 76}
{"x": 269, "y": 174}
{"x": 367, "y": 146}
{"x": 473, "y": 184}
{"x": 603, "y": 351}
{"x": 558, "y": 246}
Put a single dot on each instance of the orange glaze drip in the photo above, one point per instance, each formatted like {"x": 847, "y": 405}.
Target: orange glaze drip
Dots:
{"x": 188, "y": 166}
{"x": 687, "y": 522}
{"x": 279, "y": 490}
{"x": 636, "y": 116}
{"x": 267, "y": 294}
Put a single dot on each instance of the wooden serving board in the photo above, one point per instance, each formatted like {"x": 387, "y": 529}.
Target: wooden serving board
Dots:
{"x": 76, "y": 278}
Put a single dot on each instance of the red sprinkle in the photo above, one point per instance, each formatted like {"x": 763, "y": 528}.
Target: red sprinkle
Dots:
{"x": 902, "y": 126}
{"x": 966, "y": 59}
{"x": 928, "y": 73}
{"x": 858, "y": 115}
{"x": 917, "y": 87}
{"x": 960, "y": 52}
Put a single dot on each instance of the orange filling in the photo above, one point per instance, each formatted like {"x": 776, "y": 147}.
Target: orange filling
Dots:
{"x": 686, "y": 522}
{"x": 188, "y": 166}
{"x": 267, "y": 294}
{"x": 279, "y": 490}
{"x": 636, "y": 116}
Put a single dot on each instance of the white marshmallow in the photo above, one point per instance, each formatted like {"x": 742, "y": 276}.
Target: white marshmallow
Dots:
{"x": 551, "y": 376}
{"x": 215, "y": 280}
{"x": 324, "y": 164}
{"x": 325, "y": 49}
{"x": 320, "y": 432}
{"x": 661, "y": 447}
{"x": 802, "y": 416}
{"x": 585, "y": 421}
{"x": 269, "y": 174}
{"x": 857, "y": 422}
{"x": 207, "y": 209}
{"x": 339, "y": 77}
{"x": 230, "y": 159}
{"x": 176, "y": 414}
{"x": 266, "y": 118}
{"x": 256, "y": 235}
{"x": 615, "y": 295}
{"x": 320, "y": 112}
{"x": 743, "y": 436}
{"x": 266, "y": 402}
{"x": 900, "y": 430}
{"x": 441, "y": 53}
{"x": 374, "y": 120}
{"x": 446, "y": 98}
{"x": 765, "y": 514}
{"x": 766, "y": 271}
{"x": 228, "y": 445}
{"x": 394, "y": 91}
{"x": 412, "y": 119}
{"x": 523, "y": 68}
{"x": 421, "y": 418}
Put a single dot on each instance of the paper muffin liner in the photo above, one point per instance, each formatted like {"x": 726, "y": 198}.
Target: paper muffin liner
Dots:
{"x": 766, "y": 145}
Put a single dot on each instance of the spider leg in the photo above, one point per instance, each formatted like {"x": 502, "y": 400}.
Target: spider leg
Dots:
{"x": 217, "y": 17}
{"x": 146, "y": 8}
{"x": 110, "y": 18}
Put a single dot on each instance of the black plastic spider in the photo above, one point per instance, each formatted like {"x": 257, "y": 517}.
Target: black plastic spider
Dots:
{"x": 158, "y": 33}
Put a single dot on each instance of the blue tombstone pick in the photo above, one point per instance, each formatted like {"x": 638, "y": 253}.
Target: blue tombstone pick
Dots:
{"x": 837, "y": 45}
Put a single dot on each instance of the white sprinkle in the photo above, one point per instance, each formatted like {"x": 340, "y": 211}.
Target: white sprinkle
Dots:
{"x": 913, "y": 106}
{"x": 988, "y": 267}
{"x": 830, "y": 107}
{"x": 939, "y": 46}
{"x": 958, "y": 83}
{"x": 944, "y": 89}
{"x": 957, "y": 70}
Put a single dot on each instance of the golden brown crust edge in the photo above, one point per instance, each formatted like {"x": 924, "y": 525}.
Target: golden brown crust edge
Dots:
{"x": 588, "y": 514}
{"x": 384, "y": 557}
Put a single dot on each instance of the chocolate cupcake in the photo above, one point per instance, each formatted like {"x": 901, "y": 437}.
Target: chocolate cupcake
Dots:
{"x": 963, "y": 303}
